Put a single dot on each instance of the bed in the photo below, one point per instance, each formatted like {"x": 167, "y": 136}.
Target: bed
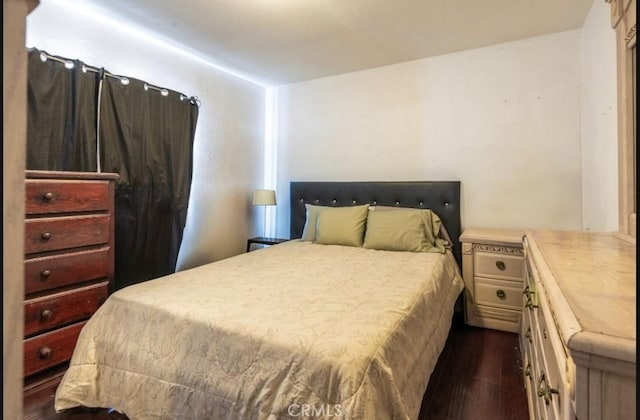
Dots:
{"x": 297, "y": 330}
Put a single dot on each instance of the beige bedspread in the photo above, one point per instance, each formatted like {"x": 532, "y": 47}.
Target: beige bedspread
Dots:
{"x": 297, "y": 330}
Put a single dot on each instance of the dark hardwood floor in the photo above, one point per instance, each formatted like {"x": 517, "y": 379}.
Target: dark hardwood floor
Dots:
{"x": 478, "y": 376}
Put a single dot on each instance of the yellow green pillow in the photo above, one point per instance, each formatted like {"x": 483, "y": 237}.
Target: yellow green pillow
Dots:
{"x": 309, "y": 230}
{"x": 405, "y": 223}
{"x": 396, "y": 231}
{"x": 341, "y": 225}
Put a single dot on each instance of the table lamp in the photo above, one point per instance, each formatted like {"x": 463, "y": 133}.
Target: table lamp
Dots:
{"x": 264, "y": 198}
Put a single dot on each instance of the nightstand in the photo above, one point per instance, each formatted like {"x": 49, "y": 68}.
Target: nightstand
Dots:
{"x": 264, "y": 241}
{"x": 493, "y": 273}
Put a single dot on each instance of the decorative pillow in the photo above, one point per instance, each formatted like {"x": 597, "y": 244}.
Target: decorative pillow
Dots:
{"x": 341, "y": 225}
{"x": 396, "y": 231}
{"x": 309, "y": 230}
{"x": 433, "y": 227}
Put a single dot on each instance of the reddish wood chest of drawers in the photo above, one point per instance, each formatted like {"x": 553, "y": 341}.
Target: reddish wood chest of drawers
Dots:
{"x": 69, "y": 263}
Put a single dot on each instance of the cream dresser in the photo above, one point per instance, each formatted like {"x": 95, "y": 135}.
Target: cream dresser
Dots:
{"x": 492, "y": 268}
{"x": 578, "y": 335}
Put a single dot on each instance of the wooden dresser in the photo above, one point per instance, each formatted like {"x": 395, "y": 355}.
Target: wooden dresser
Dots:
{"x": 69, "y": 263}
{"x": 492, "y": 268}
{"x": 578, "y": 335}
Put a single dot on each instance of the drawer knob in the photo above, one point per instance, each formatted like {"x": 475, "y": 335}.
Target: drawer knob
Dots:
{"x": 45, "y": 352}
{"x": 46, "y": 236}
{"x": 527, "y": 370}
{"x": 46, "y": 314}
{"x": 528, "y": 335}
{"x": 544, "y": 390}
{"x": 47, "y": 197}
{"x": 45, "y": 274}
{"x": 501, "y": 265}
{"x": 502, "y": 295}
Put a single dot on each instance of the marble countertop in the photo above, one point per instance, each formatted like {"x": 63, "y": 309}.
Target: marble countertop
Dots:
{"x": 595, "y": 274}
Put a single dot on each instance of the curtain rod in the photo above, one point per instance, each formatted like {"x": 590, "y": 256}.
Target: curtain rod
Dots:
{"x": 69, "y": 64}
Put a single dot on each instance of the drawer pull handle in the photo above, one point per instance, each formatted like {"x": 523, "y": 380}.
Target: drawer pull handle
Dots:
{"x": 528, "y": 335}
{"x": 46, "y": 314}
{"x": 501, "y": 265}
{"x": 544, "y": 390}
{"x": 502, "y": 295}
{"x": 46, "y": 236}
{"x": 45, "y": 274}
{"x": 45, "y": 352}
{"x": 47, "y": 197}
{"x": 529, "y": 302}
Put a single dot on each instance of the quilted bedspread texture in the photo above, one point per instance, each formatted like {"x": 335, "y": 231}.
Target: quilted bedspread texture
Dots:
{"x": 297, "y": 330}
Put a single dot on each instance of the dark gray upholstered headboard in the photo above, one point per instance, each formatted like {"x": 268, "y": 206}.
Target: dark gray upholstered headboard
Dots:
{"x": 443, "y": 197}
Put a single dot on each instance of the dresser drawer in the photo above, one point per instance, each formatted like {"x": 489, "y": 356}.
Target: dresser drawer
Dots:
{"x": 48, "y": 312}
{"x": 56, "y": 196}
{"x": 547, "y": 402}
{"x": 504, "y": 266}
{"x": 552, "y": 362}
{"x": 46, "y": 273}
{"x": 530, "y": 384}
{"x": 498, "y": 293}
{"x": 525, "y": 337}
{"x": 50, "y": 349}
{"x": 54, "y": 233}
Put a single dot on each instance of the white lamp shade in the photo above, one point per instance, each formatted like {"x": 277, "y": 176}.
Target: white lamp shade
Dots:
{"x": 264, "y": 198}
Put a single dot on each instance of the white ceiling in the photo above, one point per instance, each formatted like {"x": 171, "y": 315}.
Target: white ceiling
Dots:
{"x": 286, "y": 41}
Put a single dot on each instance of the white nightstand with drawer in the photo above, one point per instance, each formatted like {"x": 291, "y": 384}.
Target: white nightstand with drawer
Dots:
{"x": 492, "y": 268}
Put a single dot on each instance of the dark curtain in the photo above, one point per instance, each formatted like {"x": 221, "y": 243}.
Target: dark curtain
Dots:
{"x": 61, "y": 116}
{"x": 145, "y": 136}
{"x": 148, "y": 139}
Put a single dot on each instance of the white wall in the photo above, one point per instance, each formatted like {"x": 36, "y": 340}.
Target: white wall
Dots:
{"x": 504, "y": 120}
{"x": 228, "y": 149}
{"x": 599, "y": 121}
